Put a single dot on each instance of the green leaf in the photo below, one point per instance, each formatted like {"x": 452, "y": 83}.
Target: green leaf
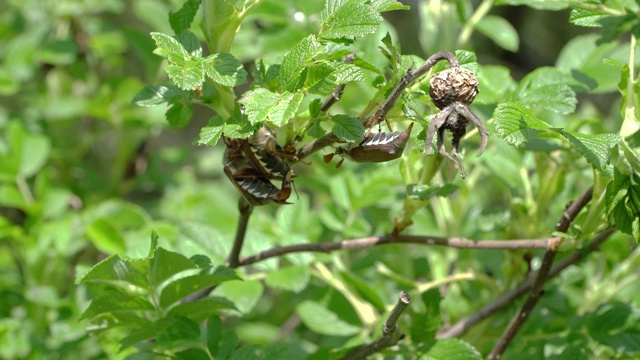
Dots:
{"x": 296, "y": 60}
{"x": 263, "y": 105}
{"x": 106, "y": 237}
{"x": 190, "y": 42}
{"x": 179, "y": 114}
{"x": 609, "y": 326}
{"x": 500, "y": 31}
{"x": 347, "y": 128}
{"x": 243, "y": 294}
{"x": 623, "y": 202}
{"x": 168, "y": 331}
{"x": 495, "y": 83}
{"x": 348, "y": 19}
{"x": 546, "y": 89}
{"x": 366, "y": 291}
{"x": 152, "y": 95}
{"x": 538, "y": 4}
{"x": 166, "y": 264}
{"x": 322, "y": 321}
{"x": 202, "y": 308}
{"x": 116, "y": 301}
{"x": 614, "y": 26}
{"x": 192, "y": 354}
{"x": 516, "y": 124}
{"x": 324, "y": 76}
{"x": 388, "y": 5}
{"x": 169, "y": 48}
{"x": 188, "y": 75}
{"x": 186, "y": 286}
{"x": 595, "y": 148}
{"x": 181, "y": 20}
{"x": 214, "y": 333}
{"x": 27, "y": 153}
{"x": 292, "y": 278}
{"x": 426, "y": 192}
{"x": 424, "y": 325}
{"x": 453, "y": 349}
{"x": 586, "y": 17}
{"x": 467, "y": 60}
{"x": 315, "y": 129}
{"x": 114, "y": 270}
{"x": 210, "y": 134}
{"x": 225, "y": 70}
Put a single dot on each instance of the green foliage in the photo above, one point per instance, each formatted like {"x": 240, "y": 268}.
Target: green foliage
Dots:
{"x": 96, "y": 132}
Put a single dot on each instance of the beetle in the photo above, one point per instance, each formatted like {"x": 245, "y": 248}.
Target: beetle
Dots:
{"x": 380, "y": 147}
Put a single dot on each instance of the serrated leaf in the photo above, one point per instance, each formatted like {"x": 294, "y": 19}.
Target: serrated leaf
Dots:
{"x": 263, "y": 105}
{"x": 516, "y": 124}
{"x": 152, "y": 95}
{"x": 114, "y": 270}
{"x": 315, "y": 129}
{"x": 595, "y": 148}
{"x": 182, "y": 19}
{"x": 365, "y": 65}
{"x": 348, "y": 19}
{"x": 169, "y": 48}
{"x": 210, "y": 134}
{"x": 546, "y": 88}
{"x": 243, "y": 294}
{"x": 188, "y": 75}
{"x": 190, "y": 42}
{"x": 500, "y": 31}
{"x": 295, "y": 61}
{"x": 214, "y": 333}
{"x": 291, "y": 278}
{"x": 614, "y": 26}
{"x": 347, "y": 128}
{"x": 322, "y": 321}
{"x": 586, "y": 17}
{"x": 424, "y": 325}
{"x": 166, "y": 264}
{"x": 495, "y": 82}
{"x": 324, "y": 76}
{"x": 453, "y": 349}
{"x": 202, "y": 308}
{"x": 609, "y": 326}
{"x": 467, "y": 60}
{"x": 388, "y": 5}
{"x": 179, "y": 114}
{"x": 116, "y": 301}
{"x": 168, "y": 331}
{"x": 186, "y": 286}
{"x": 225, "y": 70}
{"x": 426, "y": 192}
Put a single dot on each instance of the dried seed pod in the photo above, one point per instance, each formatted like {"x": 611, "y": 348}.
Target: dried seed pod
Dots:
{"x": 453, "y": 85}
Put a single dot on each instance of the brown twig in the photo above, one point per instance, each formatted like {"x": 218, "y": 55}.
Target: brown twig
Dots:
{"x": 537, "y": 288}
{"x": 460, "y": 327}
{"x": 409, "y": 77}
{"x": 367, "y": 242}
{"x": 245, "y": 210}
{"x": 390, "y": 333}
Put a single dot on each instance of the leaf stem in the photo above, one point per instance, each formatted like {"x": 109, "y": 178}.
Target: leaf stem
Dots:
{"x": 473, "y": 21}
{"x": 22, "y": 185}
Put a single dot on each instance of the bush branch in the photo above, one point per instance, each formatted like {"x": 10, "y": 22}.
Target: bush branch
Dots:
{"x": 391, "y": 335}
{"x": 367, "y": 242}
{"x": 245, "y": 210}
{"x": 537, "y": 289}
{"x": 407, "y": 79}
{"x": 461, "y": 327}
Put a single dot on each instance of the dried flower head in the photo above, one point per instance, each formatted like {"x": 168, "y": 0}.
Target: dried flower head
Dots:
{"x": 453, "y": 85}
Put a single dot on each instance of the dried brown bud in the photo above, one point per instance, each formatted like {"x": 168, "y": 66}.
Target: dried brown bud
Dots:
{"x": 453, "y": 85}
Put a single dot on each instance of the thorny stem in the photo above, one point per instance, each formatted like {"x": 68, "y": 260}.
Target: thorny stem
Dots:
{"x": 537, "y": 291}
{"x": 460, "y": 327}
{"x": 409, "y": 77}
{"x": 390, "y": 332}
{"x": 367, "y": 242}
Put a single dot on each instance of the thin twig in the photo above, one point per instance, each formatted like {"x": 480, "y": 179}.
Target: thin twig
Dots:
{"x": 409, "y": 77}
{"x": 461, "y": 327}
{"x": 537, "y": 289}
{"x": 337, "y": 92}
{"x": 390, "y": 332}
{"x": 367, "y": 242}
{"x": 245, "y": 210}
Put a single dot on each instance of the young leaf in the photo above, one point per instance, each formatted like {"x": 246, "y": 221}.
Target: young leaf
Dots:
{"x": 225, "y": 70}
{"x": 516, "y": 124}
{"x": 202, "y": 308}
{"x": 114, "y": 270}
{"x": 210, "y": 134}
{"x": 546, "y": 88}
{"x": 500, "y": 31}
{"x": 424, "y": 325}
{"x": 179, "y": 114}
{"x": 166, "y": 264}
{"x": 186, "y": 286}
{"x": 595, "y": 148}
{"x": 188, "y": 74}
{"x": 106, "y": 237}
{"x": 348, "y": 19}
{"x": 169, "y": 48}
{"x": 322, "y": 321}
{"x": 262, "y": 105}
{"x": 467, "y": 60}
{"x": 315, "y": 129}
{"x": 295, "y": 61}
{"x": 426, "y": 192}
{"x": 181, "y": 20}
{"x": 347, "y": 128}
{"x": 324, "y": 76}
{"x": 586, "y": 17}
{"x": 116, "y": 301}
{"x": 190, "y": 42}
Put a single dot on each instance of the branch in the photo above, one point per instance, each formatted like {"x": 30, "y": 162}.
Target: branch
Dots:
{"x": 367, "y": 242}
{"x": 505, "y": 300}
{"x": 409, "y": 77}
{"x": 245, "y": 210}
{"x": 537, "y": 289}
{"x": 390, "y": 333}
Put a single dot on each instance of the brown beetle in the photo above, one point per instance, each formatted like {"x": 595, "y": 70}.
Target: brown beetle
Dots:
{"x": 380, "y": 147}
